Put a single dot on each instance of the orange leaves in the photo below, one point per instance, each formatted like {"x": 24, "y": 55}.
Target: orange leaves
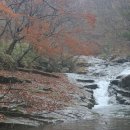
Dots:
{"x": 91, "y": 19}
{"x": 7, "y": 11}
{"x": 34, "y": 95}
{"x": 36, "y": 30}
{"x": 81, "y": 48}
{"x": 90, "y": 48}
{"x": 72, "y": 44}
{"x": 36, "y": 34}
{"x": 49, "y": 28}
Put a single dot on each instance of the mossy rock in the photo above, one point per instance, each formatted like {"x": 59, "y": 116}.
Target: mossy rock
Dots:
{"x": 6, "y": 62}
{"x": 80, "y": 70}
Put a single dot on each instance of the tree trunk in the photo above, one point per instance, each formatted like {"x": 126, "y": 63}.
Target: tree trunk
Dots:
{"x": 11, "y": 47}
{"x": 26, "y": 52}
{"x": 38, "y": 72}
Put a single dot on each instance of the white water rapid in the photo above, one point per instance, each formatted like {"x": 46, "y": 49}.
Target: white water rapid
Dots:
{"x": 102, "y": 72}
{"x": 101, "y": 94}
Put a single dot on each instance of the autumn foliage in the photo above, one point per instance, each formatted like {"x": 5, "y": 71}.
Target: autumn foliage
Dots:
{"x": 45, "y": 25}
{"x": 41, "y": 94}
{"x": 52, "y": 29}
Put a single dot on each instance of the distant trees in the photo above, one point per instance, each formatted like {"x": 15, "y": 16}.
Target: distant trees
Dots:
{"x": 47, "y": 25}
{"x": 125, "y": 12}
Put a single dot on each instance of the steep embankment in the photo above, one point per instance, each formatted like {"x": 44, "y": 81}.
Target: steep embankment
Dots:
{"x": 111, "y": 23}
{"x": 34, "y": 99}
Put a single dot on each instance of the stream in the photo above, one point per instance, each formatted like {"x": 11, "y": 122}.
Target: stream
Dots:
{"x": 111, "y": 116}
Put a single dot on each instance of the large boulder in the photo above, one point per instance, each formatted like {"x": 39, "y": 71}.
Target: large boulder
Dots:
{"x": 120, "y": 89}
{"x": 125, "y": 82}
{"x": 120, "y": 60}
{"x": 115, "y": 82}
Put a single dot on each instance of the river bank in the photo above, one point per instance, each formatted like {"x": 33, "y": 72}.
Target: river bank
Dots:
{"x": 71, "y": 96}
{"x": 30, "y": 99}
{"x": 110, "y": 118}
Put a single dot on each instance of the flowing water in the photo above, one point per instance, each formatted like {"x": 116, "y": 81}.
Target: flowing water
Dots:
{"x": 101, "y": 94}
{"x": 110, "y": 116}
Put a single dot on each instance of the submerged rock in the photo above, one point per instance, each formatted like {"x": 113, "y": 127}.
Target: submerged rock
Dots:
{"x": 120, "y": 60}
{"x": 115, "y": 82}
{"x": 85, "y": 80}
{"x": 91, "y": 86}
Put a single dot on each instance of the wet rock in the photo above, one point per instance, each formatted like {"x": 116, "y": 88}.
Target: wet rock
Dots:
{"x": 17, "y": 117}
{"x": 21, "y": 122}
{"x": 111, "y": 90}
{"x": 89, "y": 90}
{"x": 119, "y": 77}
{"x": 123, "y": 100}
{"x": 115, "y": 82}
{"x": 80, "y": 66}
{"x": 120, "y": 89}
{"x": 85, "y": 81}
{"x": 85, "y": 105}
{"x": 5, "y": 80}
{"x": 121, "y": 60}
{"x": 91, "y": 86}
{"x": 101, "y": 74}
{"x": 81, "y": 70}
{"x": 125, "y": 82}
{"x": 128, "y": 58}
{"x": 74, "y": 113}
{"x": 123, "y": 92}
{"x": 91, "y": 105}
{"x": 65, "y": 70}
{"x": 82, "y": 98}
{"x": 83, "y": 64}
{"x": 92, "y": 102}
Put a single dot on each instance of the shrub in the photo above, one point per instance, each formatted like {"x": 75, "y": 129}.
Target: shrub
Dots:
{"x": 6, "y": 62}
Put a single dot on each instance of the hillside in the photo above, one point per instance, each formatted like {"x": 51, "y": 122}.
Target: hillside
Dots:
{"x": 110, "y": 25}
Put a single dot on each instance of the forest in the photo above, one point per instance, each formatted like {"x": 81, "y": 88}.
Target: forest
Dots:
{"x": 64, "y": 60}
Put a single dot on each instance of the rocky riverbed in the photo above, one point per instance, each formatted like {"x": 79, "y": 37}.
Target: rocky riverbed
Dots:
{"x": 30, "y": 99}
{"x": 106, "y": 80}
{"x": 104, "y": 83}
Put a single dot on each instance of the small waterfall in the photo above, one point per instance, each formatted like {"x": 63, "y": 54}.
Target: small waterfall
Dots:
{"x": 102, "y": 72}
{"x": 101, "y": 94}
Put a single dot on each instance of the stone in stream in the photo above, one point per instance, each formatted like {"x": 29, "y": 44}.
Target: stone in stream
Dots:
{"x": 115, "y": 82}
{"x": 123, "y": 60}
{"x": 89, "y": 90}
{"x": 122, "y": 100}
{"x": 119, "y": 77}
{"x": 91, "y": 86}
{"x": 82, "y": 98}
{"x": 85, "y": 80}
{"x": 125, "y": 82}
{"x": 120, "y": 89}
